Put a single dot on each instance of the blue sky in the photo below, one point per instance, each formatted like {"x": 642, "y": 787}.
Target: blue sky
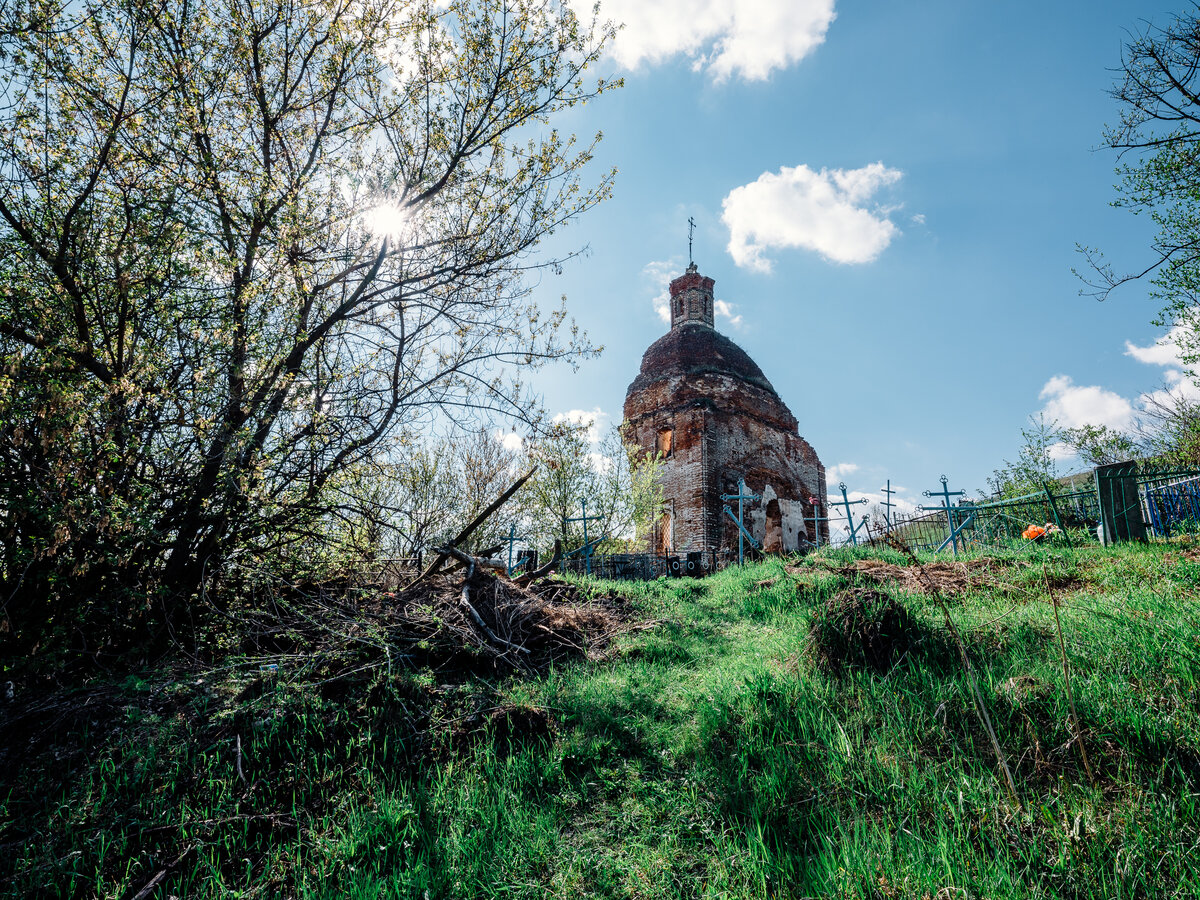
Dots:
{"x": 889, "y": 197}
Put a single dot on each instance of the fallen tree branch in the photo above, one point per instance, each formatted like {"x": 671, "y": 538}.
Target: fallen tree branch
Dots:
{"x": 544, "y": 570}
{"x": 469, "y": 530}
{"x": 149, "y": 887}
{"x": 465, "y": 600}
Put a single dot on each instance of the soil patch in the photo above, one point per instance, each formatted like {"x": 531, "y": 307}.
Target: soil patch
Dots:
{"x": 949, "y": 578}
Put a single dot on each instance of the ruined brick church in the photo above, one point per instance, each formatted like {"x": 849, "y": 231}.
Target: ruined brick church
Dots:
{"x": 704, "y": 404}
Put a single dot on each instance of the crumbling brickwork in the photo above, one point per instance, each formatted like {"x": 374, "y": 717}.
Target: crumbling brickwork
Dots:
{"x": 703, "y": 402}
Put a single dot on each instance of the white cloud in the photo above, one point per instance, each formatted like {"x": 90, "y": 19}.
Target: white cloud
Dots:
{"x": 1163, "y": 352}
{"x": 918, "y": 219}
{"x": 592, "y": 419}
{"x": 746, "y": 38}
{"x": 600, "y": 463}
{"x": 660, "y": 272}
{"x": 509, "y": 439}
{"x": 839, "y": 471}
{"x": 828, "y": 211}
{"x": 1060, "y": 452}
{"x": 1167, "y": 352}
{"x": 1073, "y": 405}
{"x": 726, "y": 311}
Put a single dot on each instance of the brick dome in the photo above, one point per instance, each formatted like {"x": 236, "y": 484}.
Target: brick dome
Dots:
{"x": 695, "y": 349}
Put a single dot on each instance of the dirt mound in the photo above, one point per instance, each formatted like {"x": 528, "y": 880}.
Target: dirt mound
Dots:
{"x": 861, "y": 628}
{"x": 947, "y": 577}
{"x": 476, "y": 624}
{"x": 496, "y": 619}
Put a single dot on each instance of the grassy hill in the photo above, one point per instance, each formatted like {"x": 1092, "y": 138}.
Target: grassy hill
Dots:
{"x": 778, "y": 730}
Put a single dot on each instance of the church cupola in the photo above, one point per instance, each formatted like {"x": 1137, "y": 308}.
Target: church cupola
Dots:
{"x": 692, "y": 298}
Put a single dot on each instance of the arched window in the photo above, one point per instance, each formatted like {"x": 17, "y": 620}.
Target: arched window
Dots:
{"x": 666, "y": 438}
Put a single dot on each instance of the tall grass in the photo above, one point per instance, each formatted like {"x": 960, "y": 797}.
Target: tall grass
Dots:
{"x": 706, "y": 757}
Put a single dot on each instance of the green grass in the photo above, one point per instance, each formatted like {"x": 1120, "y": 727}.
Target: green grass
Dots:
{"x": 707, "y": 757}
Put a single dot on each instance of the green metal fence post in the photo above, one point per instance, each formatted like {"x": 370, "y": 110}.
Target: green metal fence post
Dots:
{"x": 1054, "y": 512}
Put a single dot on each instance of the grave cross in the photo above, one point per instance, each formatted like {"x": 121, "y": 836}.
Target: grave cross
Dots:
{"x": 587, "y": 547}
{"x": 888, "y": 504}
{"x": 815, "y": 502}
{"x": 511, "y": 540}
{"x": 945, "y": 493}
{"x": 850, "y": 526}
{"x": 741, "y": 496}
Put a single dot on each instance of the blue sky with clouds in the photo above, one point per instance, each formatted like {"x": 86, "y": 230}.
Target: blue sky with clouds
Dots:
{"x": 889, "y": 197}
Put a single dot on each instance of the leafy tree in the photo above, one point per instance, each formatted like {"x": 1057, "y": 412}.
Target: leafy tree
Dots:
{"x": 1157, "y": 138}
{"x": 619, "y": 482}
{"x": 1170, "y": 428}
{"x": 248, "y": 247}
{"x": 1035, "y": 464}
{"x": 1100, "y": 445}
{"x": 420, "y": 498}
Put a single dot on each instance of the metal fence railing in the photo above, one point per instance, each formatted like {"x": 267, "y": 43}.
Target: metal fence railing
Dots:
{"x": 1126, "y": 502}
{"x": 645, "y": 566}
{"x": 1144, "y": 503}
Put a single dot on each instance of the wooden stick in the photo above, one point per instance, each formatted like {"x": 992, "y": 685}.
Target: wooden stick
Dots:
{"x": 154, "y": 882}
{"x": 968, "y": 669}
{"x": 476, "y": 522}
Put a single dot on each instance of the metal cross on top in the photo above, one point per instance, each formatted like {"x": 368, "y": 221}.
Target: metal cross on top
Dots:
{"x": 587, "y": 546}
{"x": 743, "y": 535}
{"x": 691, "y": 229}
{"x": 945, "y": 493}
{"x": 846, "y": 502}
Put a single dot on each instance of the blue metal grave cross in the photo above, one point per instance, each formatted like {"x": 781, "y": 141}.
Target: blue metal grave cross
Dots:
{"x": 587, "y": 545}
{"x": 511, "y": 540}
{"x": 888, "y": 504}
{"x": 815, "y": 502}
{"x": 850, "y": 526}
{"x": 945, "y": 493}
{"x": 743, "y": 535}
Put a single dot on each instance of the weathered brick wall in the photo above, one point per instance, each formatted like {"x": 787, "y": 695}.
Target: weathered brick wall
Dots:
{"x": 726, "y": 422}
{"x": 780, "y": 467}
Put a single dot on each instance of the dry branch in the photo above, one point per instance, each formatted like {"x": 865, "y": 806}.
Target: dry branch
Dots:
{"x": 475, "y": 523}
{"x": 530, "y": 577}
{"x": 969, "y": 670}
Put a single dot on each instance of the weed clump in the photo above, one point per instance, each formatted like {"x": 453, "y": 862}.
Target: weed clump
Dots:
{"x": 861, "y": 628}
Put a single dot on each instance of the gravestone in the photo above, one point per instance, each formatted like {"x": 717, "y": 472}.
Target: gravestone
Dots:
{"x": 1120, "y": 503}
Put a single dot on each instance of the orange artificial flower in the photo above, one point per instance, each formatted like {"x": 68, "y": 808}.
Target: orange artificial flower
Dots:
{"x": 1033, "y": 532}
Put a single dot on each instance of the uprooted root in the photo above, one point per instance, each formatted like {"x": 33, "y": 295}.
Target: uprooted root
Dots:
{"x": 498, "y": 619}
